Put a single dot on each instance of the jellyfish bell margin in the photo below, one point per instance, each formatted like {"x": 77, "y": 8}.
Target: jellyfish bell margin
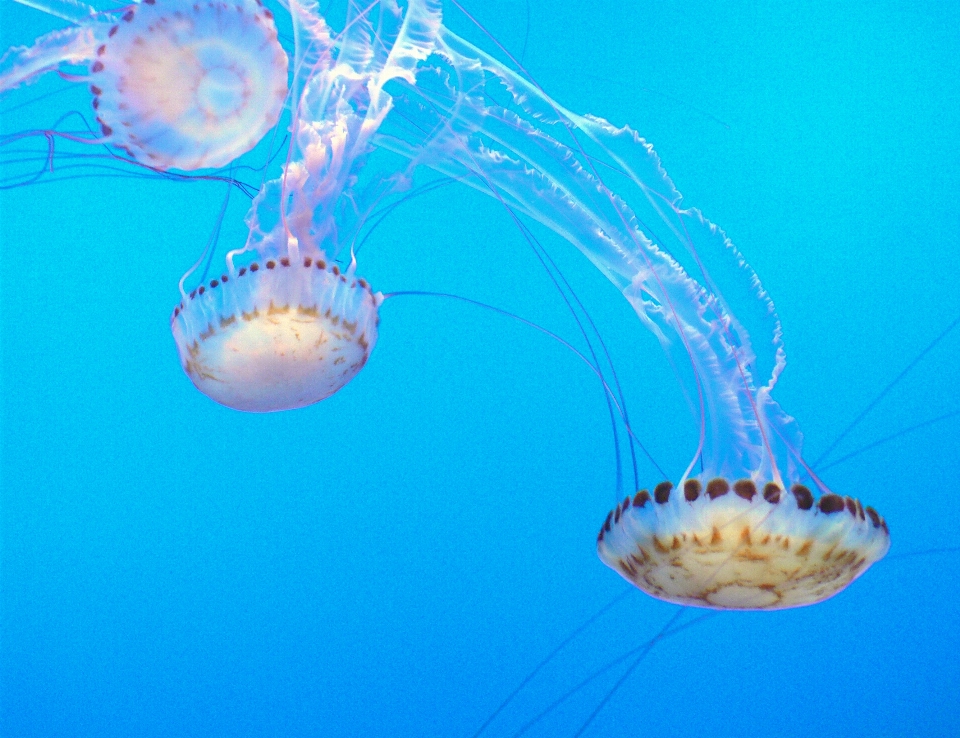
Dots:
{"x": 176, "y": 84}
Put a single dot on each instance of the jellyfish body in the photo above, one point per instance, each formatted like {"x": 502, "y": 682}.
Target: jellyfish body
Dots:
{"x": 177, "y": 84}
{"x": 604, "y": 190}
{"x": 277, "y": 336}
{"x": 284, "y": 326}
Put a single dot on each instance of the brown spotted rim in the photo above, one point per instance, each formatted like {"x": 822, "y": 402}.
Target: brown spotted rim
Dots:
{"x": 829, "y": 503}
{"x": 282, "y": 262}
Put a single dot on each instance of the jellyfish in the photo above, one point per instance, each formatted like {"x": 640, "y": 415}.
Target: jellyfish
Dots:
{"x": 284, "y": 326}
{"x": 279, "y": 629}
{"x": 739, "y": 528}
{"x": 175, "y": 84}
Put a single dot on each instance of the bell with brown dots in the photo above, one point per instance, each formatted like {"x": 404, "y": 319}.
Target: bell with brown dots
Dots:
{"x": 177, "y": 84}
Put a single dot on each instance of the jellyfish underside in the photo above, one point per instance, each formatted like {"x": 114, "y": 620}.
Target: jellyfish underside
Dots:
{"x": 733, "y": 547}
{"x": 177, "y": 84}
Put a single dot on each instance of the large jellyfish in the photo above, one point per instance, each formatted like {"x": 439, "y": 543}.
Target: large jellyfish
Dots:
{"x": 176, "y": 84}
{"x": 283, "y": 326}
{"x": 739, "y": 530}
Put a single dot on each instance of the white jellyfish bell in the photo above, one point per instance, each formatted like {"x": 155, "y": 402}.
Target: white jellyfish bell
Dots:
{"x": 178, "y": 84}
{"x": 278, "y": 335}
{"x": 284, "y": 326}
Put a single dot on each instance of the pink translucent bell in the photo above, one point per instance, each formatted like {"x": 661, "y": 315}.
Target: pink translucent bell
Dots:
{"x": 178, "y": 84}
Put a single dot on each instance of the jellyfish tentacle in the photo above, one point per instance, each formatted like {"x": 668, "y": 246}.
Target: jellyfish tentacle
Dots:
{"x": 608, "y": 390}
{"x": 585, "y": 324}
{"x": 356, "y": 40}
{"x": 74, "y": 45}
{"x": 887, "y": 439}
{"x": 573, "y": 303}
{"x": 531, "y": 675}
{"x": 207, "y": 256}
{"x": 312, "y": 42}
{"x": 640, "y": 652}
{"x": 886, "y": 390}
{"x": 647, "y": 648}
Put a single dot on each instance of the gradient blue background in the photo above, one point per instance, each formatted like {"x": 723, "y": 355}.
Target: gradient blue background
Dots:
{"x": 392, "y": 561}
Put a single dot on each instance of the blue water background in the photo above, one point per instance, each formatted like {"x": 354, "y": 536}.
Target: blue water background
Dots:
{"x": 394, "y": 560}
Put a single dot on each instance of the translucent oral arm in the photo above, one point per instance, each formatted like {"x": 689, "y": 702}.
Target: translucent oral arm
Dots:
{"x": 473, "y": 119}
{"x": 341, "y": 106}
{"x": 69, "y": 10}
{"x": 21, "y": 64}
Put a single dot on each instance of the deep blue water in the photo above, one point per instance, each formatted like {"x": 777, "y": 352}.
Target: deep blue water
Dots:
{"x": 394, "y": 560}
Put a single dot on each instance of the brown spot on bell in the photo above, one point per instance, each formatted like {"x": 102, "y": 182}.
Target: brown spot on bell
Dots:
{"x": 717, "y": 488}
{"x": 803, "y": 496}
{"x": 641, "y": 498}
{"x": 661, "y": 493}
{"x": 745, "y": 488}
{"x": 771, "y": 493}
{"x": 831, "y": 503}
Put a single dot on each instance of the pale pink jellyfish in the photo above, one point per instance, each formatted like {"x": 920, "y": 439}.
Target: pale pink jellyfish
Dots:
{"x": 739, "y": 530}
{"x": 283, "y": 326}
{"x": 178, "y": 84}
